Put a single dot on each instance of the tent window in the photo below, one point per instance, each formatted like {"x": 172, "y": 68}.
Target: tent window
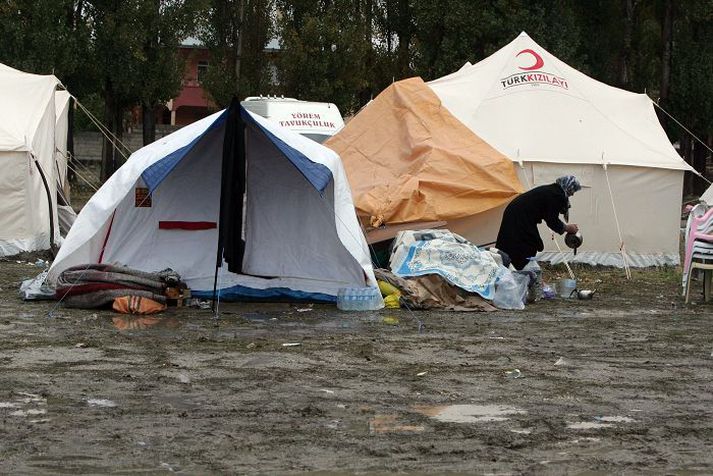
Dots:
{"x": 142, "y": 198}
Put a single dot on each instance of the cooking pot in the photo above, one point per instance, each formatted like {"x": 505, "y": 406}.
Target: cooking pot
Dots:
{"x": 573, "y": 240}
{"x": 585, "y": 293}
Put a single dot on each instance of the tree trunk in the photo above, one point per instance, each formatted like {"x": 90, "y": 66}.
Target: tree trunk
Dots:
{"x": 686, "y": 152}
{"x": 239, "y": 48}
{"x": 108, "y": 147}
{"x": 148, "y": 120}
{"x": 625, "y": 64}
{"x": 700, "y": 160}
{"x": 666, "y": 47}
{"x": 404, "y": 35}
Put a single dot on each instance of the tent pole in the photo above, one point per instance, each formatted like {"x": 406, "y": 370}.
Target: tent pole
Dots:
{"x": 622, "y": 248}
{"x": 49, "y": 203}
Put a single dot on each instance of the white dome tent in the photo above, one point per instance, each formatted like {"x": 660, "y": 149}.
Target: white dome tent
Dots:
{"x": 162, "y": 209}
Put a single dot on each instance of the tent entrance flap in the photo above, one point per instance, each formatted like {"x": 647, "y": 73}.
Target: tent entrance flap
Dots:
{"x": 231, "y": 246}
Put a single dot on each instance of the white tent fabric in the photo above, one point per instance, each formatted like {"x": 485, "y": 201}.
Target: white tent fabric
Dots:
{"x": 299, "y": 242}
{"x": 27, "y": 160}
{"x": 553, "y": 120}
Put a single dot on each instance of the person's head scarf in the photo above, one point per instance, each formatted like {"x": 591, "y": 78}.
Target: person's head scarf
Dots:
{"x": 569, "y": 184}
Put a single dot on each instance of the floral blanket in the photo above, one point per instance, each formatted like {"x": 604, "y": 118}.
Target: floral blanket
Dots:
{"x": 418, "y": 253}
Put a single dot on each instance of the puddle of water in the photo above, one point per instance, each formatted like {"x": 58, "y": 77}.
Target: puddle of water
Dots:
{"x": 338, "y": 323}
{"x": 334, "y": 424}
{"x": 100, "y": 402}
{"x": 391, "y": 320}
{"x": 181, "y": 401}
{"x": 468, "y": 413}
{"x": 31, "y": 398}
{"x": 24, "y": 400}
{"x": 29, "y": 412}
{"x": 588, "y": 425}
{"x": 615, "y": 419}
{"x": 379, "y": 424}
{"x": 260, "y": 317}
{"x": 130, "y": 323}
{"x": 168, "y": 467}
{"x": 587, "y": 439}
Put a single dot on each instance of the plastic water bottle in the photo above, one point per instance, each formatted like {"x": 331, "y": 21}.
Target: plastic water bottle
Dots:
{"x": 358, "y": 299}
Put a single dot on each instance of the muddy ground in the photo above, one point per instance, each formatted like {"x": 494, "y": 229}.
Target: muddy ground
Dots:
{"x": 619, "y": 384}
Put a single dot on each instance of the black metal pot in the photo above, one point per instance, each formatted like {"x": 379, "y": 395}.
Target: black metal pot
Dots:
{"x": 573, "y": 240}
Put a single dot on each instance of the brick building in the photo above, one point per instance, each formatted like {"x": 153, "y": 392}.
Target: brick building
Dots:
{"x": 192, "y": 103}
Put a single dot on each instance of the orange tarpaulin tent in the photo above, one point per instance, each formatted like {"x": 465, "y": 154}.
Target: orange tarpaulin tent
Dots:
{"x": 408, "y": 159}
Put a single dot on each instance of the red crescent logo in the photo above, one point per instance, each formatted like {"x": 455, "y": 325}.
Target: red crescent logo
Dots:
{"x": 539, "y": 63}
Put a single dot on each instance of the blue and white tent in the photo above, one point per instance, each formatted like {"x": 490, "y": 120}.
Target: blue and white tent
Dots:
{"x": 162, "y": 210}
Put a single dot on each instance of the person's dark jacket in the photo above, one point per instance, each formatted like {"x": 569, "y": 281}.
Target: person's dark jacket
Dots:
{"x": 518, "y": 236}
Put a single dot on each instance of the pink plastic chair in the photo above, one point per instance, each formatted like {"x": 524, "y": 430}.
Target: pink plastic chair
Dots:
{"x": 699, "y": 250}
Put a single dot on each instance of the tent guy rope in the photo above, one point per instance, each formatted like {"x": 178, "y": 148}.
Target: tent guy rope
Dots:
{"x": 622, "y": 247}
{"x": 105, "y": 131}
{"x": 689, "y": 132}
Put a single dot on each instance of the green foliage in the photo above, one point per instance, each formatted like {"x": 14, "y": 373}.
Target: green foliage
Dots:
{"x": 44, "y": 36}
{"x": 692, "y": 66}
{"x": 347, "y": 51}
{"x": 326, "y": 51}
{"x": 220, "y": 29}
{"x": 135, "y": 47}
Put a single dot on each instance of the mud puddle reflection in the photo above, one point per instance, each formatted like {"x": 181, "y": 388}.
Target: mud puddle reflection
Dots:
{"x": 132, "y": 323}
{"x": 468, "y": 413}
{"x": 379, "y": 424}
{"x": 600, "y": 422}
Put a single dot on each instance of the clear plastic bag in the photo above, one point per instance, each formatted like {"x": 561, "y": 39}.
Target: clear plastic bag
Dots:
{"x": 535, "y": 288}
{"x": 510, "y": 290}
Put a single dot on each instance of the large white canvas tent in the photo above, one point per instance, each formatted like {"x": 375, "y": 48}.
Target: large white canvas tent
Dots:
{"x": 162, "y": 209}
{"x": 553, "y": 120}
{"x": 28, "y": 172}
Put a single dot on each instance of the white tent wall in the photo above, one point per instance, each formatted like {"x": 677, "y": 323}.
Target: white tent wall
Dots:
{"x": 15, "y": 230}
{"x": 650, "y": 238}
{"x": 644, "y": 205}
{"x": 189, "y": 193}
{"x": 306, "y": 243}
{"x": 24, "y": 209}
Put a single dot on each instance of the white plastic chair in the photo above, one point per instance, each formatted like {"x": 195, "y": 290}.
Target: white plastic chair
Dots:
{"x": 699, "y": 249}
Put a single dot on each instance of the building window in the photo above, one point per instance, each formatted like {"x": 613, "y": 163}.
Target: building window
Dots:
{"x": 202, "y": 70}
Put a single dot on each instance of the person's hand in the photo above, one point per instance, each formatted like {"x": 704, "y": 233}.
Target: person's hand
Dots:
{"x": 571, "y": 228}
